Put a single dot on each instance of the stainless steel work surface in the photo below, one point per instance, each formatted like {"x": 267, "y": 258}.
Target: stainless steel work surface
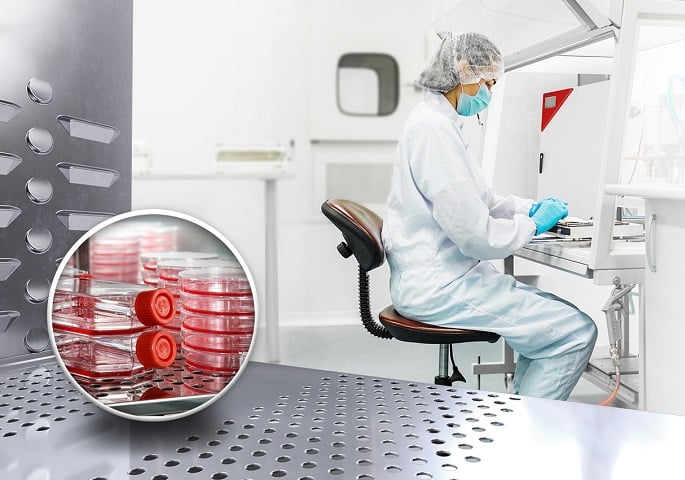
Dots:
{"x": 48, "y": 430}
{"x": 286, "y": 422}
{"x": 572, "y": 258}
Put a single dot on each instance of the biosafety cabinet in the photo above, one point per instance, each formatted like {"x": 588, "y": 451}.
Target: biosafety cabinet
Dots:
{"x": 614, "y": 147}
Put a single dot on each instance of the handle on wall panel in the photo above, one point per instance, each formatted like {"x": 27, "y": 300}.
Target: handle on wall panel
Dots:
{"x": 649, "y": 243}
{"x": 542, "y": 157}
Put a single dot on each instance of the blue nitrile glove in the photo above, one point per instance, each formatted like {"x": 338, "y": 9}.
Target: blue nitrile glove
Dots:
{"x": 548, "y": 214}
{"x": 534, "y": 207}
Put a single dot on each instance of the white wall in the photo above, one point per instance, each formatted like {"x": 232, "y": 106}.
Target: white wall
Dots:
{"x": 228, "y": 71}
{"x": 202, "y": 74}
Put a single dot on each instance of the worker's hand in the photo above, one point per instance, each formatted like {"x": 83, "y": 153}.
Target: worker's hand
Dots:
{"x": 548, "y": 213}
{"x": 536, "y": 205}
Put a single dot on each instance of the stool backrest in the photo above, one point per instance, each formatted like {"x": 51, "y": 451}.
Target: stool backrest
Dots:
{"x": 361, "y": 229}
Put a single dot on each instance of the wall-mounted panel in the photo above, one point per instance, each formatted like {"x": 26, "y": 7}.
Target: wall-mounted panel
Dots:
{"x": 65, "y": 145}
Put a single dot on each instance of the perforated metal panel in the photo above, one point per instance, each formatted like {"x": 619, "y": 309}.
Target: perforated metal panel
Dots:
{"x": 48, "y": 430}
{"x": 65, "y": 145}
{"x": 293, "y": 423}
{"x": 345, "y": 426}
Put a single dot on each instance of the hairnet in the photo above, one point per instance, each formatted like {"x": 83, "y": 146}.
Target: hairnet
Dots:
{"x": 462, "y": 58}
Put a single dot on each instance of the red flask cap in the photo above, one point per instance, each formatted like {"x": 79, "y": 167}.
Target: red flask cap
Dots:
{"x": 156, "y": 349}
{"x": 155, "y": 307}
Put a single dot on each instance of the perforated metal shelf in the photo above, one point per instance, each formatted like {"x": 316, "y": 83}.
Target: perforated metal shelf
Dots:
{"x": 340, "y": 425}
{"x": 293, "y": 423}
{"x": 49, "y": 430}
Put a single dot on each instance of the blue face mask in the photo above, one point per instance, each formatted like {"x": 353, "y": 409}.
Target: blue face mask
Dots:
{"x": 469, "y": 105}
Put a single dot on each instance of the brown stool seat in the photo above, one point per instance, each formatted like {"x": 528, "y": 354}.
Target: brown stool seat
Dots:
{"x": 407, "y": 330}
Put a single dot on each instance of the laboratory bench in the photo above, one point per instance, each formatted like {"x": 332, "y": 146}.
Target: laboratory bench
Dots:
{"x": 294, "y": 423}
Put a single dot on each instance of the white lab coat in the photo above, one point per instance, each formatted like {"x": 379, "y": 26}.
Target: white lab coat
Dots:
{"x": 442, "y": 224}
{"x": 442, "y": 217}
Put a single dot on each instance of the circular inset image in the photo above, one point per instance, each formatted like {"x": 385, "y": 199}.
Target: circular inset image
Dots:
{"x": 152, "y": 315}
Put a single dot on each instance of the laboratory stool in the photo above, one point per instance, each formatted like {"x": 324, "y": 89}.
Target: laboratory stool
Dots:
{"x": 361, "y": 230}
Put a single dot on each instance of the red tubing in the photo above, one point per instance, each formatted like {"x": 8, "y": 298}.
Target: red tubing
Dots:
{"x": 615, "y": 392}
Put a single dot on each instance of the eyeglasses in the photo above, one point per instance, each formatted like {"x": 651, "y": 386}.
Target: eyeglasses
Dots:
{"x": 490, "y": 83}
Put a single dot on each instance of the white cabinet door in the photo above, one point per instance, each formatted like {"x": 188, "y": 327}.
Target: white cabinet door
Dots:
{"x": 664, "y": 330}
{"x": 571, "y": 146}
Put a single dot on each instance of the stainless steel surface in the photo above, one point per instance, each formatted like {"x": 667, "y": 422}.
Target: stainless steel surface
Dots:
{"x": 565, "y": 43}
{"x": 506, "y": 366}
{"x": 271, "y": 321}
{"x": 39, "y": 190}
{"x": 167, "y": 391}
{"x": 285, "y": 422}
{"x": 36, "y": 340}
{"x": 600, "y": 371}
{"x": 64, "y": 58}
{"x": 88, "y": 130}
{"x": 49, "y": 431}
{"x": 8, "y": 162}
{"x": 85, "y": 175}
{"x": 40, "y": 91}
{"x": 40, "y": 141}
{"x": 567, "y": 258}
{"x": 649, "y": 246}
{"x": 443, "y": 361}
{"x": 8, "y": 111}
{"x": 574, "y": 257}
{"x": 38, "y": 240}
{"x": 162, "y": 407}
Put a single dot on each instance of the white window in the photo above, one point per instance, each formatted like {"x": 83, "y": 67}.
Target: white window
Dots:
{"x": 368, "y": 84}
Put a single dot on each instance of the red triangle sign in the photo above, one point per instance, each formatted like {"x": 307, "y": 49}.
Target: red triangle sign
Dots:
{"x": 551, "y": 103}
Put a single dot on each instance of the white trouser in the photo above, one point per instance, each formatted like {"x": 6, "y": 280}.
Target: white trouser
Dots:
{"x": 553, "y": 338}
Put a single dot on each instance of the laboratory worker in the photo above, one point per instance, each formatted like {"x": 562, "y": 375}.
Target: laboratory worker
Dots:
{"x": 444, "y": 223}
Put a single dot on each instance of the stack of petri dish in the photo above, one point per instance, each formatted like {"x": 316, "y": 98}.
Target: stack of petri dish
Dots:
{"x": 168, "y": 270}
{"x": 115, "y": 257}
{"x": 149, "y": 262}
{"x": 217, "y": 312}
{"x": 158, "y": 238}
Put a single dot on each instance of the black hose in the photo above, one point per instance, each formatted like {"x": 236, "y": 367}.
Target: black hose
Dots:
{"x": 370, "y": 324}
